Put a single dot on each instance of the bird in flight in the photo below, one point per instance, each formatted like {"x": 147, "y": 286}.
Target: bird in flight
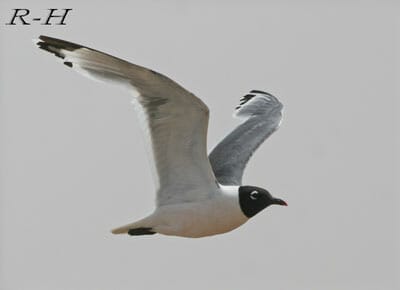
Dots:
{"x": 197, "y": 195}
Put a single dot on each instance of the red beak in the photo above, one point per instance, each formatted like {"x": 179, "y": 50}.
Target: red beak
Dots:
{"x": 280, "y": 202}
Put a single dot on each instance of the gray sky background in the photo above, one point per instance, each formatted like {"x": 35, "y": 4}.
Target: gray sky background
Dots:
{"x": 73, "y": 162}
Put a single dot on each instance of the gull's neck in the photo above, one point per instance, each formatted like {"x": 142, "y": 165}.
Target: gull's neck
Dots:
{"x": 231, "y": 190}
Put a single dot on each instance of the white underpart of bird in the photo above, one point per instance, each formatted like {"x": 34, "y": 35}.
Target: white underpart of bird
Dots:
{"x": 197, "y": 195}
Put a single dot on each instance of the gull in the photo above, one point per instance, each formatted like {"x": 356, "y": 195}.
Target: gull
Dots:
{"x": 196, "y": 195}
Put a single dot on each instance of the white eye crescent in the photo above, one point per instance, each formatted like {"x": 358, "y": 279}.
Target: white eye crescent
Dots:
{"x": 253, "y": 194}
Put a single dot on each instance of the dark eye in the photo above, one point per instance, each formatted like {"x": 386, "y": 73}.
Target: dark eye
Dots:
{"x": 254, "y": 194}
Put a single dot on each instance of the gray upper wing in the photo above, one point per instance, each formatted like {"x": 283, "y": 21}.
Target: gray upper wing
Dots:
{"x": 262, "y": 113}
{"x": 174, "y": 121}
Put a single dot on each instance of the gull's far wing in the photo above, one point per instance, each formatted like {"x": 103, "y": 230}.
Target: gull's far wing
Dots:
{"x": 262, "y": 114}
{"x": 174, "y": 120}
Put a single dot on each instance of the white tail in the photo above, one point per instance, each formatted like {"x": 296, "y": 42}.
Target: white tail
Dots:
{"x": 143, "y": 223}
{"x": 124, "y": 229}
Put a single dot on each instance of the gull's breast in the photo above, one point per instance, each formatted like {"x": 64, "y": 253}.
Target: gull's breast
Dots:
{"x": 217, "y": 215}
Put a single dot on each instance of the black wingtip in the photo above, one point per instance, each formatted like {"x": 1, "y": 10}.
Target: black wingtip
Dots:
{"x": 55, "y": 45}
{"x": 59, "y": 43}
{"x": 45, "y": 46}
{"x": 246, "y": 98}
{"x": 259, "y": 92}
{"x": 252, "y": 94}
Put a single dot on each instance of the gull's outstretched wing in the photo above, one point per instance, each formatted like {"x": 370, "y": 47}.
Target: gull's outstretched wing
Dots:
{"x": 263, "y": 114}
{"x": 174, "y": 119}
